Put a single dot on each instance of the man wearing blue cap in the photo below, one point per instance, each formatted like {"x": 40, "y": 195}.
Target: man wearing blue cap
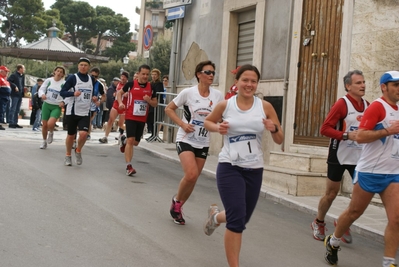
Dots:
{"x": 377, "y": 170}
{"x": 78, "y": 93}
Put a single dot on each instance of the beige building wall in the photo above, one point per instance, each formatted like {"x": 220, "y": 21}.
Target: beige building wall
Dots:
{"x": 375, "y": 41}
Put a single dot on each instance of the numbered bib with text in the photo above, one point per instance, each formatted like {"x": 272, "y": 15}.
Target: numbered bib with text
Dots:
{"x": 140, "y": 108}
{"x": 243, "y": 149}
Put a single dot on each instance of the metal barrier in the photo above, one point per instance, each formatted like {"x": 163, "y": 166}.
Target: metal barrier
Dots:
{"x": 162, "y": 120}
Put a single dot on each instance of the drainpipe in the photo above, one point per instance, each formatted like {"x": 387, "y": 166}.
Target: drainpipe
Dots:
{"x": 287, "y": 69}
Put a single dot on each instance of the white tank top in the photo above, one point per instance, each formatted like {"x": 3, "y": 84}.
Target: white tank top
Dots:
{"x": 81, "y": 104}
{"x": 382, "y": 155}
{"x": 242, "y": 145}
{"x": 348, "y": 150}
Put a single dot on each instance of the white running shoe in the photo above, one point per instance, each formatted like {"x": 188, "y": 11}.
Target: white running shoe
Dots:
{"x": 50, "y": 137}
{"x": 210, "y": 225}
{"x": 68, "y": 161}
{"x": 43, "y": 145}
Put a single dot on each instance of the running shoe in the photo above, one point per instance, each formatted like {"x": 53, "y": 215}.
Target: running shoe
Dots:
{"x": 210, "y": 225}
{"x": 36, "y": 129}
{"x": 130, "y": 170}
{"x": 331, "y": 252}
{"x": 88, "y": 137}
{"x": 318, "y": 230}
{"x": 393, "y": 265}
{"x": 43, "y": 145}
{"x": 119, "y": 139}
{"x": 103, "y": 140}
{"x": 68, "y": 161}
{"x": 347, "y": 237}
{"x": 79, "y": 159}
{"x": 50, "y": 137}
{"x": 74, "y": 144}
{"x": 176, "y": 211}
{"x": 123, "y": 144}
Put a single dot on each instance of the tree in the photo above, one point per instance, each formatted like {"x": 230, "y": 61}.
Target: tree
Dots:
{"x": 23, "y": 19}
{"x": 160, "y": 55}
{"x": 77, "y": 18}
{"x": 106, "y": 23}
{"x": 120, "y": 48}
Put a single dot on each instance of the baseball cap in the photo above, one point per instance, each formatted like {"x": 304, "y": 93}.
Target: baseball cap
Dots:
{"x": 4, "y": 68}
{"x": 84, "y": 59}
{"x": 390, "y": 76}
{"x": 116, "y": 79}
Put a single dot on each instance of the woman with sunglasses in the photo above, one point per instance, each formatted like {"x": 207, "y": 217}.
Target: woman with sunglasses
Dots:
{"x": 239, "y": 172}
{"x": 192, "y": 140}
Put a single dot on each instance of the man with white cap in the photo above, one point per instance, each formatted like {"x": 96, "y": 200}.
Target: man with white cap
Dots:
{"x": 377, "y": 170}
{"x": 78, "y": 91}
{"x": 5, "y": 92}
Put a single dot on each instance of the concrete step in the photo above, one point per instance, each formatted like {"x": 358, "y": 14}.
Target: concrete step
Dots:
{"x": 294, "y": 182}
{"x": 300, "y": 162}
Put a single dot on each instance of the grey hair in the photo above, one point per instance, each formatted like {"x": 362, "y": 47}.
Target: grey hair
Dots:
{"x": 348, "y": 77}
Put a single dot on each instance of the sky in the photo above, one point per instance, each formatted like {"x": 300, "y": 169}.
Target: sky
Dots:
{"x": 125, "y": 7}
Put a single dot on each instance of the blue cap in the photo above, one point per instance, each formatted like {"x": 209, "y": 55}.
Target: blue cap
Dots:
{"x": 390, "y": 76}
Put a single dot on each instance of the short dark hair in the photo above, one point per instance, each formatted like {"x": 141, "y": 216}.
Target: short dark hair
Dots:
{"x": 348, "y": 77}
{"x": 144, "y": 66}
{"x": 96, "y": 70}
{"x": 165, "y": 77}
{"x": 39, "y": 80}
{"x": 201, "y": 65}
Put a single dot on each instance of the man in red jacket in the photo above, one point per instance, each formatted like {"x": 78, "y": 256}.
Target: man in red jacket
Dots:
{"x": 5, "y": 92}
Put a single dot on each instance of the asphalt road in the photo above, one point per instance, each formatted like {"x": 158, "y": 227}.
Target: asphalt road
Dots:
{"x": 94, "y": 215}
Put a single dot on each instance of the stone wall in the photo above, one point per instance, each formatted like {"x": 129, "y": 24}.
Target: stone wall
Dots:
{"x": 375, "y": 41}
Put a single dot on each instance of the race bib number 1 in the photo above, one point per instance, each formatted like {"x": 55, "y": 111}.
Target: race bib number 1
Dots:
{"x": 243, "y": 149}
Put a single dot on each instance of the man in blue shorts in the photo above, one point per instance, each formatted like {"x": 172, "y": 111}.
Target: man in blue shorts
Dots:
{"x": 377, "y": 170}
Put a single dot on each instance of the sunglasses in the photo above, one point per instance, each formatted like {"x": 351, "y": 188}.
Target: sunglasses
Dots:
{"x": 208, "y": 72}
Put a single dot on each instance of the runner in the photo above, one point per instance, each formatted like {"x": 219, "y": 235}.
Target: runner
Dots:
{"x": 192, "y": 140}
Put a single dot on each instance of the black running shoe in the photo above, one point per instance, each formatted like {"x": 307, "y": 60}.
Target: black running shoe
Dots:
{"x": 176, "y": 212}
{"x": 331, "y": 252}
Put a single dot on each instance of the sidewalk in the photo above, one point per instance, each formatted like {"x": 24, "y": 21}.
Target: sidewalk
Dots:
{"x": 372, "y": 223}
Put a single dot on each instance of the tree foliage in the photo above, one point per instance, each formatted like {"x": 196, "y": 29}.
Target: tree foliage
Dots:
{"x": 160, "y": 55}
{"x": 120, "y": 48}
{"x": 24, "y": 19}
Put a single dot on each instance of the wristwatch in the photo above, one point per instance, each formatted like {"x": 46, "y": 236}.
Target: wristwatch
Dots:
{"x": 345, "y": 136}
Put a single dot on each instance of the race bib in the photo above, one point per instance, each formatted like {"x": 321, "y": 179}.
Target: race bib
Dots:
{"x": 351, "y": 143}
{"x": 200, "y": 134}
{"x": 140, "y": 108}
{"x": 243, "y": 149}
{"x": 85, "y": 96}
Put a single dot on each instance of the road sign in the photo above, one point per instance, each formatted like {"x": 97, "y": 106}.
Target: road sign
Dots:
{"x": 146, "y": 54}
{"x": 176, "y": 13}
{"x": 147, "y": 38}
{"x": 175, "y": 3}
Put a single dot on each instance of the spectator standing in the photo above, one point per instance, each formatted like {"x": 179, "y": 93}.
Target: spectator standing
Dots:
{"x": 97, "y": 92}
{"x": 5, "y": 92}
{"x": 37, "y": 106}
{"x": 111, "y": 93}
{"x": 34, "y": 90}
{"x": 157, "y": 87}
{"x": 17, "y": 78}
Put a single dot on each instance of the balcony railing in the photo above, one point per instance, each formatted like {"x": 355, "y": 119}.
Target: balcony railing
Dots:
{"x": 156, "y": 24}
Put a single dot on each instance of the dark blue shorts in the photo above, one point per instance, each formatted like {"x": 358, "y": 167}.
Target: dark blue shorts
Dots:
{"x": 239, "y": 190}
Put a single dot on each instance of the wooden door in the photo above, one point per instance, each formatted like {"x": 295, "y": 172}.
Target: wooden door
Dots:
{"x": 318, "y": 67}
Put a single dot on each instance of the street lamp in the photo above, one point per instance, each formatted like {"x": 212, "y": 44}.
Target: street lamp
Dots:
{"x": 125, "y": 62}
